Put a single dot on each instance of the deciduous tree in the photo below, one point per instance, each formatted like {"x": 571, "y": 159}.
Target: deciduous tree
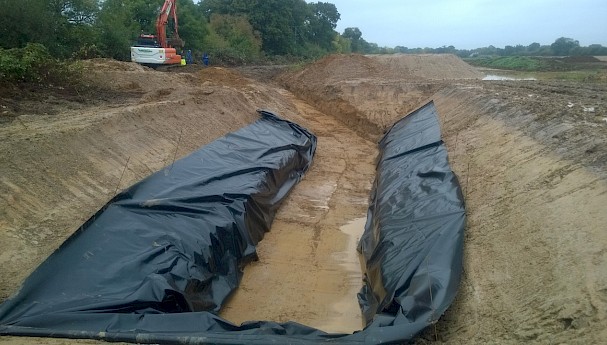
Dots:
{"x": 564, "y": 46}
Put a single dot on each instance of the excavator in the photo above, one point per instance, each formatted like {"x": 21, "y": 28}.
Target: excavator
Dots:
{"x": 155, "y": 50}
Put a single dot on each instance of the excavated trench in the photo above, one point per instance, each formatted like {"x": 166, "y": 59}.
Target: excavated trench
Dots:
{"x": 308, "y": 259}
{"x": 531, "y": 168}
{"x": 535, "y": 181}
{"x": 308, "y": 270}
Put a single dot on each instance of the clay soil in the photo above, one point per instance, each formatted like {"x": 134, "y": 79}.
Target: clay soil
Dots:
{"x": 530, "y": 156}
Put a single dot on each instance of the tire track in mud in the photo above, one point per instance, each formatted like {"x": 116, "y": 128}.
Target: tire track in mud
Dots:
{"x": 307, "y": 271}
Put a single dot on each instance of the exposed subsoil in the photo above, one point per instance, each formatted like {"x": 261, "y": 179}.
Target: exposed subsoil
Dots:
{"x": 530, "y": 156}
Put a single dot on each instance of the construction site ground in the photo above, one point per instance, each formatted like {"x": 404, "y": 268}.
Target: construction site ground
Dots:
{"x": 530, "y": 155}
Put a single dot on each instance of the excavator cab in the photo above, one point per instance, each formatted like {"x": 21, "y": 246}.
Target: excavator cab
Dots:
{"x": 149, "y": 41}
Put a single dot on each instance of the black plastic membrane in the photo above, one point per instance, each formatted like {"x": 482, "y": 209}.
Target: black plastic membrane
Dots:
{"x": 155, "y": 264}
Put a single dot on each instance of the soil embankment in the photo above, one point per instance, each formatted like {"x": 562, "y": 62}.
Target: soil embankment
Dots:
{"x": 535, "y": 257}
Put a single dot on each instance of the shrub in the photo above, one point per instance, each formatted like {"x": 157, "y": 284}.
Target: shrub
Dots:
{"x": 34, "y": 64}
{"x": 29, "y": 64}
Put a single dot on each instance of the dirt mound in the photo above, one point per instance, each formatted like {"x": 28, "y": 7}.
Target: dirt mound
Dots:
{"x": 369, "y": 92}
{"x": 129, "y": 76}
{"x": 104, "y": 81}
{"x": 223, "y": 76}
{"x": 426, "y": 66}
{"x": 337, "y": 68}
{"x": 101, "y": 64}
{"x": 580, "y": 59}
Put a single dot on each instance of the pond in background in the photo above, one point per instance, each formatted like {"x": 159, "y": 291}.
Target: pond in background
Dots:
{"x": 501, "y": 77}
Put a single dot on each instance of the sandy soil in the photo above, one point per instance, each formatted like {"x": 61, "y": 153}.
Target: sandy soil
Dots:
{"x": 530, "y": 155}
{"x": 536, "y": 247}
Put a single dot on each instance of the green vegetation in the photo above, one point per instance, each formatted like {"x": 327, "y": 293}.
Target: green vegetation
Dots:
{"x": 536, "y": 63}
{"x": 580, "y": 69}
{"x": 517, "y": 63}
{"x": 561, "y": 47}
{"x": 596, "y": 75}
{"x": 35, "y": 64}
{"x": 231, "y": 31}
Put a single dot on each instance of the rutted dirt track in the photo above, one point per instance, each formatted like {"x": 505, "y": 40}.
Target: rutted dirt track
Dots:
{"x": 530, "y": 156}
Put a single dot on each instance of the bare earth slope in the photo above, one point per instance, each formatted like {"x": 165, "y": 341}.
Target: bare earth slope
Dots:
{"x": 369, "y": 92}
{"x": 425, "y": 66}
{"x": 536, "y": 247}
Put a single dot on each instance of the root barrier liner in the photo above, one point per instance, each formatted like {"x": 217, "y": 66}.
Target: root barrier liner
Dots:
{"x": 155, "y": 264}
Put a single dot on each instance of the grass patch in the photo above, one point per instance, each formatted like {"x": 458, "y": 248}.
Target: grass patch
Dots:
{"x": 516, "y": 63}
{"x": 540, "y": 64}
{"x": 573, "y": 68}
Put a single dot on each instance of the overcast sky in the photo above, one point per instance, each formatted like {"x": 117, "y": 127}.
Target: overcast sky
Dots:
{"x": 468, "y": 24}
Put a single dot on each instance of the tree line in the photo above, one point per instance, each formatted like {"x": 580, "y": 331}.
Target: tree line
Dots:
{"x": 231, "y": 31}
{"x": 562, "y": 46}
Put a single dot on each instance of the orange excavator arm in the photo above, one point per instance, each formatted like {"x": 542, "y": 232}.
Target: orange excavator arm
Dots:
{"x": 168, "y": 11}
{"x": 160, "y": 49}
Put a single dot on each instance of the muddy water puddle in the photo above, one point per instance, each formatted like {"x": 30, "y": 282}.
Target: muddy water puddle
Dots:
{"x": 346, "y": 311}
{"x": 502, "y": 77}
{"x": 350, "y": 258}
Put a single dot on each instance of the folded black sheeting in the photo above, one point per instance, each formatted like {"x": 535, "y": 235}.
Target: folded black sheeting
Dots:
{"x": 164, "y": 254}
{"x": 412, "y": 246}
{"x": 157, "y": 262}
